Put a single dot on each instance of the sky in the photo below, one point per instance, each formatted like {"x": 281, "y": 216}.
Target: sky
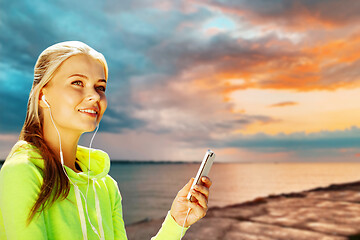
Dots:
{"x": 254, "y": 80}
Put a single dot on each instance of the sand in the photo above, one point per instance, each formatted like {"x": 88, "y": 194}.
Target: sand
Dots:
{"x": 330, "y": 213}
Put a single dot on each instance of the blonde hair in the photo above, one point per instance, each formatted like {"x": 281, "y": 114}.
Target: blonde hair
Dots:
{"x": 55, "y": 182}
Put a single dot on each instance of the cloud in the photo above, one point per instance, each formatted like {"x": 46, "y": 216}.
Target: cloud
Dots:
{"x": 25, "y": 34}
{"x": 116, "y": 121}
{"x": 172, "y": 77}
{"x": 13, "y": 109}
{"x": 319, "y": 146}
{"x": 6, "y": 143}
{"x": 299, "y": 141}
{"x": 292, "y": 14}
{"x": 283, "y": 104}
{"x": 188, "y": 113}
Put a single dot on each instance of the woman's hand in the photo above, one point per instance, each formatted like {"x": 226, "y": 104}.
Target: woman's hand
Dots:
{"x": 198, "y": 207}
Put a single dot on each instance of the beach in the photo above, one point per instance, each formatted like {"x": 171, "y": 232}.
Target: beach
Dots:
{"x": 328, "y": 213}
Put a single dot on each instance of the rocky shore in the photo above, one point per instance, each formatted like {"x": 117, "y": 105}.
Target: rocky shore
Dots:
{"x": 330, "y": 213}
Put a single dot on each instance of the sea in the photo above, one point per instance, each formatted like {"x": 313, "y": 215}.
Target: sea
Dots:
{"x": 148, "y": 189}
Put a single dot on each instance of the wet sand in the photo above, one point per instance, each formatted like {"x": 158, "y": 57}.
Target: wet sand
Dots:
{"x": 330, "y": 213}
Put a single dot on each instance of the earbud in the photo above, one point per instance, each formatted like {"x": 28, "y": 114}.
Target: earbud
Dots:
{"x": 44, "y": 100}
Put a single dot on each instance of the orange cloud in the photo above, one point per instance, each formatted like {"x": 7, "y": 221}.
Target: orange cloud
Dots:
{"x": 339, "y": 50}
{"x": 283, "y": 104}
{"x": 326, "y": 66}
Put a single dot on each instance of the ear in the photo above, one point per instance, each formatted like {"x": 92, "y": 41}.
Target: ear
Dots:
{"x": 40, "y": 101}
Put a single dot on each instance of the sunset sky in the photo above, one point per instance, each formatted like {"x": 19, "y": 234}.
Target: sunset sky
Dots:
{"x": 256, "y": 81}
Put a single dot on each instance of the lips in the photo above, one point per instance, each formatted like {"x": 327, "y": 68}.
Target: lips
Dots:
{"x": 89, "y": 111}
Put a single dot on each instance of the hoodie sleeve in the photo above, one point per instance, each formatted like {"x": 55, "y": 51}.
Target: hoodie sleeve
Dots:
{"x": 170, "y": 230}
{"x": 20, "y": 184}
{"x": 118, "y": 221}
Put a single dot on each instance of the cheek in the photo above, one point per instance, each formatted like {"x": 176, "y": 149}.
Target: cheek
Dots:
{"x": 73, "y": 98}
{"x": 103, "y": 105}
{"x": 68, "y": 101}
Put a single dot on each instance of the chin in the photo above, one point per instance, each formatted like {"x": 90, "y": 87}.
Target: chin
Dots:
{"x": 89, "y": 128}
{"x": 92, "y": 128}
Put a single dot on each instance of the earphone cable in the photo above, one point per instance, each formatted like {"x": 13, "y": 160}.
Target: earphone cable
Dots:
{"x": 182, "y": 230}
{"x": 62, "y": 164}
{"x": 97, "y": 128}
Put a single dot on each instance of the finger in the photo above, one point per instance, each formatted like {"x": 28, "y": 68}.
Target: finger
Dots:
{"x": 206, "y": 181}
{"x": 198, "y": 210}
{"x": 202, "y": 189}
{"x": 185, "y": 190}
{"x": 201, "y": 199}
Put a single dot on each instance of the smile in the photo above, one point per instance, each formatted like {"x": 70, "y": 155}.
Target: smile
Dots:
{"x": 88, "y": 111}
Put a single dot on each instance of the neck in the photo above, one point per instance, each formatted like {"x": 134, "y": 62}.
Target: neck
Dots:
{"x": 69, "y": 142}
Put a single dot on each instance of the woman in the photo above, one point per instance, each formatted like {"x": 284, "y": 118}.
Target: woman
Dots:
{"x": 51, "y": 188}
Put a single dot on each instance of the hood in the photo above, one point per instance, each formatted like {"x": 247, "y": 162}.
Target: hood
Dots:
{"x": 95, "y": 165}
{"x": 98, "y": 168}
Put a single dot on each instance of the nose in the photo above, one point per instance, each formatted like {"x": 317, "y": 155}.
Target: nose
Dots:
{"x": 92, "y": 95}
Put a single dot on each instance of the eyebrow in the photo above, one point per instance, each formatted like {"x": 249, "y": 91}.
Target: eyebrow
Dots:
{"x": 83, "y": 76}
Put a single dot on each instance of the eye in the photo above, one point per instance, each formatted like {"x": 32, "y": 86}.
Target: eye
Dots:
{"x": 101, "y": 88}
{"x": 77, "y": 82}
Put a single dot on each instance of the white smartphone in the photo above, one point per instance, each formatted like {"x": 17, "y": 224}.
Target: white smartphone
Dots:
{"x": 203, "y": 170}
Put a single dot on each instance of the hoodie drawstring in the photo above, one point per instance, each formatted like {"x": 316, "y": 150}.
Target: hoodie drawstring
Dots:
{"x": 98, "y": 212}
{"x": 82, "y": 214}
{"x": 81, "y": 211}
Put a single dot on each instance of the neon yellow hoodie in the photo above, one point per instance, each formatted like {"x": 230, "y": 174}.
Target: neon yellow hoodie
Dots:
{"x": 20, "y": 181}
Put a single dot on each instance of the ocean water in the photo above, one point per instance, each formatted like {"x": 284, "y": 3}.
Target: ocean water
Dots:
{"x": 148, "y": 189}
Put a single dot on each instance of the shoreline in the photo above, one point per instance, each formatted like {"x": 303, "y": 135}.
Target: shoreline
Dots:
{"x": 330, "y": 213}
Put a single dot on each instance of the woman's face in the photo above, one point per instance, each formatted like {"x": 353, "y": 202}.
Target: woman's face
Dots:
{"x": 76, "y": 94}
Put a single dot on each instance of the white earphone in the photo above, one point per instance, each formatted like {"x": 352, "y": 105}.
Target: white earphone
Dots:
{"x": 44, "y": 100}
{"x": 62, "y": 163}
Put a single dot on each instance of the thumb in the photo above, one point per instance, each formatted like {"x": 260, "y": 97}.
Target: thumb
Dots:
{"x": 185, "y": 190}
